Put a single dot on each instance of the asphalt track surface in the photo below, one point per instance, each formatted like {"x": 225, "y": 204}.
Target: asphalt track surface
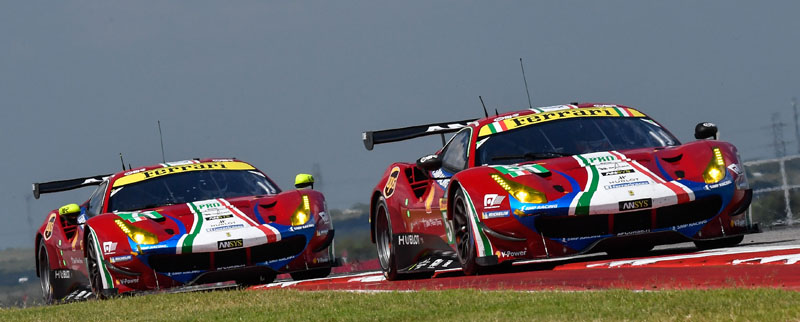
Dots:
{"x": 770, "y": 259}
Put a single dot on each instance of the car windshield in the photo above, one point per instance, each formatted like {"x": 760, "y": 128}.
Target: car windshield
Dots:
{"x": 569, "y": 137}
{"x": 188, "y": 187}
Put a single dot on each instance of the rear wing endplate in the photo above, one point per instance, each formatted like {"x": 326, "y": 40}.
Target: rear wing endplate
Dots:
{"x": 64, "y": 185}
{"x": 371, "y": 138}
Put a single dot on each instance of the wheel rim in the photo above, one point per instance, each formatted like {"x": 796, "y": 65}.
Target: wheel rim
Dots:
{"x": 464, "y": 242}
{"x": 44, "y": 273}
{"x": 93, "y": 267}
{"x": 383, "y": 235}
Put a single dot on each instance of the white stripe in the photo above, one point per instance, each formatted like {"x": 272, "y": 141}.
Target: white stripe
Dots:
{"x": 251, "y": 222}
{"x": 685, "y": 188}
{"x": 275, "y": 231}
{"x": 476, "y": 237}
{"x": 82, "y": 293}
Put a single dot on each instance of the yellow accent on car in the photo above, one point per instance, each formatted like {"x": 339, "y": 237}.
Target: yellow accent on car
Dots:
{"x": 530, "y": 119}
{"x": 203, "y": 166}
{"x": 138, "y": 235}
{"x": 519, "y": 191}
{"x": 69, "y": 209}
{"x": 716, "y": 168}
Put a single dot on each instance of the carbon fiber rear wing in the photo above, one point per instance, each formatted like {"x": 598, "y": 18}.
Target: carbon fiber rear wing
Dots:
{"x": 371, "y": 138}
{"x": 64, "y": 185}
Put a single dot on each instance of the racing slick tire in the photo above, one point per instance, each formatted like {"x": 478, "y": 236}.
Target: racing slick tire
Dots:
{"x": 310, "y": 274}
{"x": 465, "y": 243}
{"x": 719, "y": 243}
{"x": 383, "y": 241}
{"x": 46, "y": 275}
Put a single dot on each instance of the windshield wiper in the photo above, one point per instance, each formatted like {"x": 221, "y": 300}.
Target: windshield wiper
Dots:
{"x": 532, "y": 156}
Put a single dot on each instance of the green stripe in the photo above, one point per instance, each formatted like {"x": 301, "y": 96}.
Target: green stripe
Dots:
{"x": 539, "y": 169}
{"x": 619, "y": 112}
{"x": 187, "y": 242}
{"x": 487, "y": 248}
{"x": 492, "y": 128}
{"x": 100, "y": 262}
{"x": 586, "y": 198}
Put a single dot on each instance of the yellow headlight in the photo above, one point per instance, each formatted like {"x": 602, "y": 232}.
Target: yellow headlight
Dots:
{"x": 716, "y": 168}
{"x": 137, "y": 234}
{"x": 519, "y": 191}
{"x": 299, "y": 218}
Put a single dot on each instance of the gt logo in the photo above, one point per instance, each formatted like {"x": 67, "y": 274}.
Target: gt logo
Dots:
{"x": 391, "y": 183}
{"x": 492, "y": 200}
{"x": 109, "y": 247}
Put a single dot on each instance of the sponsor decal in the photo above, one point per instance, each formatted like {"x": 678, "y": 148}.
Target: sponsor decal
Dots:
{"x": 436, "y": 263}
{"x": 322, "y": 232}
{"x": 324, "y": 216}
{"x": 219, "y": 217}
{"x": 62, "y": 273}
{"x": 422, "y": 264}
{"x": 117, "y": 259}
{"x": 538, "y": 207}
{"x": 495, "y": 214}
{"x": 636, "y": 232}
{"x": 626, "y": 184}
{"x": 739, "y": 223}
{"x": 228, "y": 244}
{"x": 735, "y": 168}
{"x": 48, "y": 231}
{"x": 76, "y": 261}
{"x": 718, "y": 185}
{"x": 109, "y": 247}
{"x": 452, "y": 126}
{"x": 617, "y": 172}
{"x": 635, "y": 204}
{"x": 603, "y": 158}
{"x": 126, "y": 281}
{"x": 546, "y": 116}
{"x": 218, "y": 227}
{"x": 133, "y": 172}
{"x": 492, "y": 200}
{"x": 391, "y": 183}
{"x": 306, "y": 226}
{"x": 144, "y": 175}
{"x": 503, "y": 254}
{"x": 407, "y": 240}
{"x": 505, "y": 117}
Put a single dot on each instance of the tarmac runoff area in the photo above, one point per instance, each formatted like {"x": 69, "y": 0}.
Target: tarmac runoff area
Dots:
{"x": 770, "y": 259}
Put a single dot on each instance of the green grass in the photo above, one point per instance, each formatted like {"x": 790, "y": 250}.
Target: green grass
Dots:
{"x": 280, "y": 305}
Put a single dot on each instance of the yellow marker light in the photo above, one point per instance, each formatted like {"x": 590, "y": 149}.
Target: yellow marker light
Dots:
{"x": 306, "y": 203}
{"x": 716, "y": 168}
{"x": 519, "y": 191}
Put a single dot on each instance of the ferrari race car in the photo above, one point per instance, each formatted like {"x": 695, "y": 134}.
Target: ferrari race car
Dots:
{"x": 187, "y": 223}
{"x": 551, "y": 182}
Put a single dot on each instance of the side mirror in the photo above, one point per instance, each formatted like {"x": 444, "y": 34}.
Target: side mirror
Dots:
{"x": 429, "y": 162}
{"x": 705, "y": 130}
{"x": 303, "y": 180}
{"x": 69, "y": 210}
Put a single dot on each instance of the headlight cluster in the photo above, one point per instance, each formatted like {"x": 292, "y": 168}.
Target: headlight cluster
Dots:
{"x": 138, "y": 235}
{"x": 519, "y": 191}
{"x": 716, "y": 168}
{"x": 303, "y": 213}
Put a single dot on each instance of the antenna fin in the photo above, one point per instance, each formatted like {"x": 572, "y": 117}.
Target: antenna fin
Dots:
{"x": 484, "y": 106}
{"x": 496, "y": 113}
{"x": 122, "y": 161}
{"x": 160, "y": 137}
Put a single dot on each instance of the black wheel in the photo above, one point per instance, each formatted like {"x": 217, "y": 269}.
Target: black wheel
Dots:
{"x": 630, "y": 251}
{"x": 45, "y": 274}
{"x": 314, "y": 273}
{"x": 465, "y": 243}
{"x": 383, "y": 241}
{"x": 93, "y": 259}
{"x": 719, "y": 243}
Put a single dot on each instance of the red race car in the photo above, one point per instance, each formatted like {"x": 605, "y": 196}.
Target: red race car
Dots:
{"x": 551, "y": 182}
{"x": 184, "y": 223}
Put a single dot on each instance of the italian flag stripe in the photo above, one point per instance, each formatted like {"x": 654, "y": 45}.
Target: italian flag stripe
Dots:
{"x": 196, "y": 226}
{"x": 538, "y": 169}
{"x": 484, "y": 247}
{"x": 679, "y": 192}
{"x": 263, "y": 228}
{"x": 582, "y": 208}
{"x": 104, "y": 274}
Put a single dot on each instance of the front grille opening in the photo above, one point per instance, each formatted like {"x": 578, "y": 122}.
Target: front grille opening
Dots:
{"x": 572, "y": 226}
{"x": 227, "y": 259}
{"x": 595, "y": 225}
